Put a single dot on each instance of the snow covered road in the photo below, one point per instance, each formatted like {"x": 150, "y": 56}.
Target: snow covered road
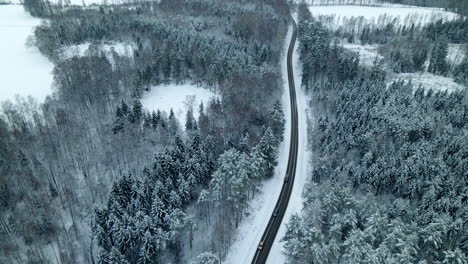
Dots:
{"x": 295, "y": 201}
{"x": 251, "y": 229}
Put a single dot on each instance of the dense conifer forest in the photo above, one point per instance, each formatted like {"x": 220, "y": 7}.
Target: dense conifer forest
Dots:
{"x": 108, "y": 181}
{"x": 92, "y": 176}
{"x": 389, "y": 182}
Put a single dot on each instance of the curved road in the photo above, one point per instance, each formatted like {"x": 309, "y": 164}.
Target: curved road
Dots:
{"x": 276, "y": 219}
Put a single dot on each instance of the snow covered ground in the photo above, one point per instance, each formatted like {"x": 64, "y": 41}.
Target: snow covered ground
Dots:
{"x": 456, "y": 53}
{"x": 179, "y": 97}
{"x": 276, "y": 255}
{"x": 430, "y": 81}
{"x": 24, "y": 70}
{"x": 338, "y": 15}
{"x": 87, "y": 49}
{"x": 65, "y": 2}
{"x": 251, "y": 229}
{"x": 122, "y": 49}
{"x": 348, "y": 2}
{"x": 367, "y": 53}
{"x": 79, "y": 2}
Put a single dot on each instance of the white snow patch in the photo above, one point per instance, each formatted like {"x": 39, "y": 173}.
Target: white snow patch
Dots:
{"x": 430, "y": 81}
{"x": 24, "y": 70}
{"x": 339, "y": 15}
{"x": 85, "y": 49}
{"x": 368, "y": 54}
{"x": 65, "y": 2}
{"x": 80, "y": 2}
{"x": 251, "y": 229}
{"x": 88, "y": 49}
{"x": 276, "y": 255}
{"x": 456, "y": 53}
{"x": 349, "y": 2}
{"x": 178, "y": 97}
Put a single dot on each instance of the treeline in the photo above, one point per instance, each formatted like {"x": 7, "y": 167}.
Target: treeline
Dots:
{"x": 458, "y": 6}
{"x": 389, "y": 169}
{"x": 413, "y": 48}
{"x": 92, "y": 137}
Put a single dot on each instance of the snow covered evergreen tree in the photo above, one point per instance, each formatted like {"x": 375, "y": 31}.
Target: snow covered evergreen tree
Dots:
{"x": 278, "y": 120}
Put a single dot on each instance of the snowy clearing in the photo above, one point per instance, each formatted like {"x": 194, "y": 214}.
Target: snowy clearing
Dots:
{"x": 276, "y": 255}
{"x": 78, "y": 2}
{"x": 349, "y": 2}
{"x": 85, "y": 49}
{"x": 339, "y": 15}
{"x": 429, "y": 81}
{"x": 178, "y": 97}
{"x": 25, "y": 71}
{"x": 251, "y": 229}
{"x": 88, "y": 49}
{"x": 66, "y": 2}
{"x": 368, "y": 54}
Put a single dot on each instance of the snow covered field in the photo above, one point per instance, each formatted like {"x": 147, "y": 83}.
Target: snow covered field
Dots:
{"x": 430, "y": 81}
{"x": 79, "y": 2}
{"x": 87, "y": 49}
{"x": 24, "y": 70}
{"x": 338, "y": 15}
{"x": 65, "y": 2}
{"x": 334, "y": 16}
{"x": 367, "y": 53}
{"x": 122, "y": 49}
{"x": 178, "y": 97}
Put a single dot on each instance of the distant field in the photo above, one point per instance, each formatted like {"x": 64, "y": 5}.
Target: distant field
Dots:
{"x": 25, "y": 71}
{"x": 338, "y": 15}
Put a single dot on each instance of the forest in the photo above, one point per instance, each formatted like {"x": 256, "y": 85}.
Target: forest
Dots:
{"x": 389, "y": 182}
{"x": 457, "y": 6}
{"x": 110, "y": 182}
{"x": 411, "y": 47}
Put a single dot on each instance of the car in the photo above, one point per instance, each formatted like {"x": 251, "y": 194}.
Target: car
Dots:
{"x": 286, "y": 179}
{"x": 275, "y": 212}
{"x": 260, "y": 245}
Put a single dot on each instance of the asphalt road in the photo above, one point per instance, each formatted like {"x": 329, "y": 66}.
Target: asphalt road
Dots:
{"x": 269, "y": 235}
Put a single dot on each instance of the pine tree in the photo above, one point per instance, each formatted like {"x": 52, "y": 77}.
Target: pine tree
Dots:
{"x": 119, "y": 122}
{"x": 241, "y": 181}
{"x": 244, "y": 145}
{"x": 114, "y": 257}
{"x": 137, "y": 112}
{"x": 155, "y": 119}
{"x": 278, "y": 121}
{"x": 173, "y": 123}
{"x": 220, "y": 185}
{"x": 438, "y": 63}
{"x": 203, "y": 122}
{"x": 268, "y": 146}
{"x": 148, "y": 250}
{"x": 190, "y": 123}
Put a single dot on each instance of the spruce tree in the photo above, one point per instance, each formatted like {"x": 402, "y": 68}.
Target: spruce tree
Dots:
{"x": 438, "y": 63}
{"x": 278, "y": 121}
{"x": 268, "y": 146}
